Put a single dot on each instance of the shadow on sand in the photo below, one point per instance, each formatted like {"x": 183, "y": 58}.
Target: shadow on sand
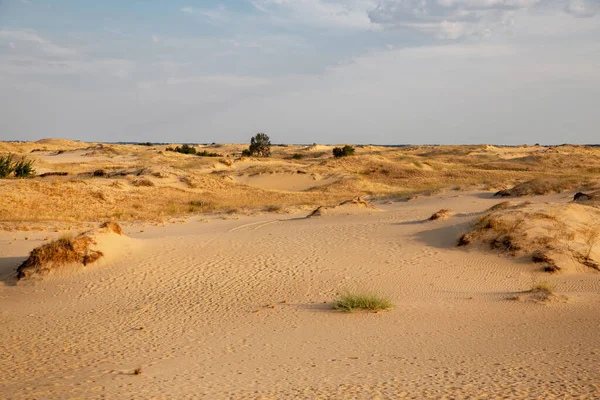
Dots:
{"x": 444, "y": 237}
{"x": 8, "y": 269}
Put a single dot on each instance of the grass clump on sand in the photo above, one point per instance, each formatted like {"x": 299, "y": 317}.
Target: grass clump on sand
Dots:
{"x": 349, "y": 302}
{"x": 444, "y": 213}
{"x": 542, "y": 287}
{"x": 63, "y": 251}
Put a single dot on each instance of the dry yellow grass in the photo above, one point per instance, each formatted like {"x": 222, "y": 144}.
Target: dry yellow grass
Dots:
{"x": 65, "y": 250}
{"x": 147, "y": 183}
{"x": 444, "y": 213}
{"x": 557, "y": 236}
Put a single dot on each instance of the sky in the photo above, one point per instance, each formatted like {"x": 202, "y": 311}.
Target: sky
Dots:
{"x": 302, "y": 71}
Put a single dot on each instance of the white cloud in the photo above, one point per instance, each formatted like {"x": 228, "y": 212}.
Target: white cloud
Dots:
{"x": 582, "y": 8}
{"x": 28, "y": 36}
{"x": 352, "y": 14}
{"x": 214, "y": 16}
{"x": 453, "y": 19}
{"x": 536, "y": 82}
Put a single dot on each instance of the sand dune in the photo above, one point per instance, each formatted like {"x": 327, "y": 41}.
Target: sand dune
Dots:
{"x": 221, "y": 288}
{"x": 71, "y": 253}
{"x": 240, "y": 309}
{"x": 348, "y": 207}
{"x": 560, "y": 237}
{"x": 288, "y": 181}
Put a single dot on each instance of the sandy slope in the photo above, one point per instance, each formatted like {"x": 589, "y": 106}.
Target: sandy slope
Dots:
{"x": 237, "y": 309}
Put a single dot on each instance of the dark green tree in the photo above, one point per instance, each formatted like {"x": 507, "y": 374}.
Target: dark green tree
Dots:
{"x": 260, "y": 145}
{"x": 347, "y": 150}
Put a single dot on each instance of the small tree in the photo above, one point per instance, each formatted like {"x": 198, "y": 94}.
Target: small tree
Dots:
{"x": 347, "y": 150}
{"x": 260, "y": 145}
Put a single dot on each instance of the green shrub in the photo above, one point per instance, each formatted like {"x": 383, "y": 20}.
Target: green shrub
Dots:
{"x": 185, "y": 149}
{"x": 363, "y": 301}
{"x": 246, "y": 153}
{"x": 205, "y": 153}
{"x": 6, "y": 166}
{"x": 345, "y": 151}
{"x": 24, "y": 168}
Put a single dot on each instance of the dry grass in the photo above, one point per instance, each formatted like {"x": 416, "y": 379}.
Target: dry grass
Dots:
{"x": 441, "y": 214}
{"x": 66, "y": 250}
{"x": 122, "y": 188}
{"x": 63, "y": 251}
{"x": 558, "y": 236}
{"x": 541, "y": 186}
{"x": 350, "y": 301}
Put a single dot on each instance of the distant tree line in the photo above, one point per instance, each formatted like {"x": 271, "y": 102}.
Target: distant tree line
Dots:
{"x": 187, "y": 149}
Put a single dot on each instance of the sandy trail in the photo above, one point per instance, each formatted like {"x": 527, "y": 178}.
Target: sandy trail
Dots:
{"x": 238, "y": 309}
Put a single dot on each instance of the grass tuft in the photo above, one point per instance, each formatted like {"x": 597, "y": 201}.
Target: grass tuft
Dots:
{"x": 542, "y": 286}
{"x": 349, "y": 302}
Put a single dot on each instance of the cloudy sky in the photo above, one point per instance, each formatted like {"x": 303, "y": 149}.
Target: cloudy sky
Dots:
{"x": 303, "y": 71}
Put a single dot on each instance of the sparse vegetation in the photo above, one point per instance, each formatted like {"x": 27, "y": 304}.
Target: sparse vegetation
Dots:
{"x": 542, "y": 286}
{"x": 201, "y": 205}
{"x": 444, "y": 213}
{"x": 6, "y": 166}
{"x": 260, "y": 145}
{"x": 345, "y": 151}
{"x": 205, "y": 153}
{"x": 542, "y": 186}
{"x": 297, "y": 156}
{"x": 379, "y": 173}
{"x": 63, "y": 251}
{"x": 22, "y": 168}
{"x": 350, "y": 301}
{"x": 142, "y": 182}
{"x": 184, "y": 149}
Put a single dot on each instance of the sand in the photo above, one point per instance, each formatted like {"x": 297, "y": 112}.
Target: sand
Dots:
{"x": 239, "y": 309}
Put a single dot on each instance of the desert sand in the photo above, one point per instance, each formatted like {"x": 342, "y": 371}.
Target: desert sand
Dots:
{"x": 236, "y": 304}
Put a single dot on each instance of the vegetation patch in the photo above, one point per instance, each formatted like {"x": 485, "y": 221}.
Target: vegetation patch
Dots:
{"x": 64, "y": 251}
{"x": 205, "y": 153}
{"x": 351, "y": 301}
{"x": 561, "y": 237}
{"x": 184, "y": 149}
{"x": 260, "y": 146}
{"x": 22, "y": 168}
{"x": 542, "y": 187}
{"x": 444, "y": 213}
{"x": 345, "y": 151}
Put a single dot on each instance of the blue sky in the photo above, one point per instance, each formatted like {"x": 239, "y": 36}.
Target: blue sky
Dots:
{"x": 303, "y": 71}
